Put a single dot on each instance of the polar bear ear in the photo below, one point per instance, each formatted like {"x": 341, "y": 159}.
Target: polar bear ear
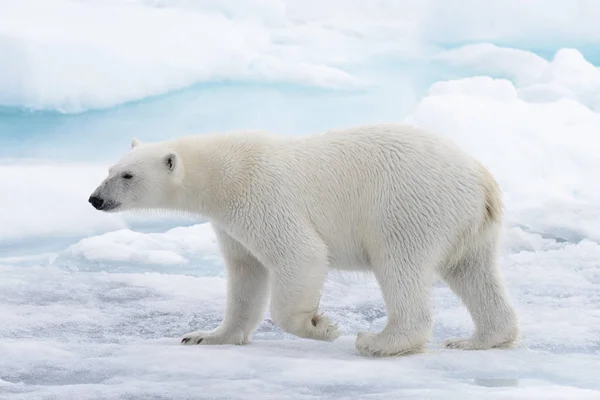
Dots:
{"x": 171, "y": 161}
{"x": 135, "y": 143}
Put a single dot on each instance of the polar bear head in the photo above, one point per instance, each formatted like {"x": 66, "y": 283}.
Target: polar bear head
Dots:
{"x": 145, "y": 177}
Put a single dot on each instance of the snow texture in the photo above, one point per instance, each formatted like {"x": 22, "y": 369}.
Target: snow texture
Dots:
{"x": 92, "y": 306}
{"x": 88, "y": 333}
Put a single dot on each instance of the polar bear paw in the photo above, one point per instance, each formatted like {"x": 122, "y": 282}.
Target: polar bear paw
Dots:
{"x": 324, "y": 328}
{"x": 316, "y": 327}
{"x": 478, "y": 344}
{"x": 214, "y": 337}
{"x": 380, "y": 345}
{"x": 500, "y": 338}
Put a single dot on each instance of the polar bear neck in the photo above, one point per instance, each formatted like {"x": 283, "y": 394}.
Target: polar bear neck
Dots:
{"x": 217, "y": 169}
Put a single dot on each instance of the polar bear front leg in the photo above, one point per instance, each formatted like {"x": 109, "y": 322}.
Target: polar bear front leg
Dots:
{"x": 296, "y": 286}
{"x": 247, "y": 295}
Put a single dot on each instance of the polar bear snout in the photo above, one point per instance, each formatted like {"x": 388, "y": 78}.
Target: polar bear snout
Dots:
{"x": 102, "y": 204}
{"x": 96, "y": 202}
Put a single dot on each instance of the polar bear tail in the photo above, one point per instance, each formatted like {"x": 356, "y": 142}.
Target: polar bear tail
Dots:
{"x": 493, "y": 198}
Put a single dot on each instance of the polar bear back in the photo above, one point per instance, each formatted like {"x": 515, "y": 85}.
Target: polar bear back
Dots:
{"x": 372, "y": 183}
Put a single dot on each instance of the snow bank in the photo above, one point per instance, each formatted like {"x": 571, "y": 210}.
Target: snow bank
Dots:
{"x": 62, "y": 56}
{"x": 178, "y": 250}
{"x": 59, "y": 54}
{"x": 567, "y": 75}
{"x": 520, "y": 66}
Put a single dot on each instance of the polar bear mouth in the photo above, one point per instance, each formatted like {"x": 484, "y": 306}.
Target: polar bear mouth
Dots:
{"x": 110, "y": 206}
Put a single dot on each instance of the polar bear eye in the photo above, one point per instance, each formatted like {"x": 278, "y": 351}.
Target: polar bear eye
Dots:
{"x": 127, "y": 175}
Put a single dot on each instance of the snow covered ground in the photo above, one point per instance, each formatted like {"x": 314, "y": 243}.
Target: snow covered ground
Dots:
{"x": 93, "y": 306}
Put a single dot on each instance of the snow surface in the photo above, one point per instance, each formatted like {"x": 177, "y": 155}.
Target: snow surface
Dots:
{"x": 97, "y": 321}
{"x": 92, "y": 306}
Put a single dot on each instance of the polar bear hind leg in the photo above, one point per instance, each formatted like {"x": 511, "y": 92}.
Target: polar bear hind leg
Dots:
{"x": 407, "y": 299}
{"x": 476, "y": 279}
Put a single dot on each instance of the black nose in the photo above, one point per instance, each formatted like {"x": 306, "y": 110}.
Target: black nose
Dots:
{"x": 97, "y": 202}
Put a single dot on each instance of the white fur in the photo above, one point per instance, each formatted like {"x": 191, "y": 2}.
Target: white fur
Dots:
{"x": 393, "y": 199}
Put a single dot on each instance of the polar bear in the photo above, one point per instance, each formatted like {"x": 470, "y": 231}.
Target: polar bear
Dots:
{"x": 399, "y": 201}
